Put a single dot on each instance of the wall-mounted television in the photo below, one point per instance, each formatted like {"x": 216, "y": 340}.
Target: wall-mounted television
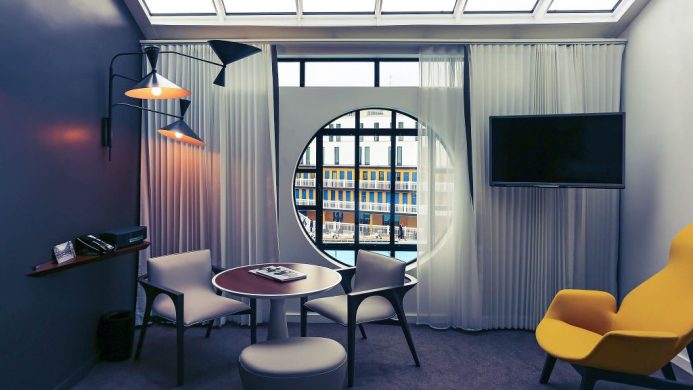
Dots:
{"x": 564, "y": 150}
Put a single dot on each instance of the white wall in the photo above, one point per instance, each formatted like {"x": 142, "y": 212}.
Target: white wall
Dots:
{"x": 302, "y": 111}
{"x": 658, "y": 100}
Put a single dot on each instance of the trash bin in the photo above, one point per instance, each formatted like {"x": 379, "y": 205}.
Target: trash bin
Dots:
{"x": 115, "y": 333}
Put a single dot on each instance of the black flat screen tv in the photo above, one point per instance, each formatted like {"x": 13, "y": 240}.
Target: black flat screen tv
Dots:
{"x": 565, "y": 150}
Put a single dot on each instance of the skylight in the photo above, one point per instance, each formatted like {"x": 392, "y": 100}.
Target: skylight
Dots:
{"x": 417, "y": 6}
{"x": 500, "y": 6}
{"x": 583, "y": 5}
{"x": 180, "y": 7}
{"x": 338, "y": 6}
{"x": 260, "y": 6}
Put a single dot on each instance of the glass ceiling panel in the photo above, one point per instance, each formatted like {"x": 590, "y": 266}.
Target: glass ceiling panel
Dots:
{"x": 338, "y": 6}
{"x": 583, "y": 5}
{"x": 418, "y": 6}
{"x": 499, "y": 6}
{"x": 260, "y": 6}
{"x": 180, "y": 7}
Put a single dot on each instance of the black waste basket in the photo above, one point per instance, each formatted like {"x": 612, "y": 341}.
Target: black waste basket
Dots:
{"x": 116, "y": 331}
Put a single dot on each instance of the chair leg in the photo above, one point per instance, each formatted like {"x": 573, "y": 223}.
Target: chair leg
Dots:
{"x": 304, "y": 317}
{"x": 180, "y": 329}
{"x": 402, "y": 318}
{"x": 143, "y": 331}
{"x": 689, "y": 348}
{"x": 210, "y": 324}
{"x": 668, "y": 372}
{"x": 351, "y": 330}
{"x": 588, "y": 380}
{"x": 363, "y": 331}
{"x": 253, "y": 321}
{"x": 548, "y": 368}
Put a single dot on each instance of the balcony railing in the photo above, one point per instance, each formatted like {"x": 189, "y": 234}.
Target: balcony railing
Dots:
{"x": 302, "y": 182}
{"x": 337, "y": 204}
{"x": 335, "y": 183}
{"x": 364, "y": 206}
{"x": 305, "y": 202}
{"x": 405, "y": 185}
{"x": 367, "y": 233}
{"x": 374, "y": 184}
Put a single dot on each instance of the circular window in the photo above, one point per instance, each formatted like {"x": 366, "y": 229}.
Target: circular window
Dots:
{"x": 355, "y": 185}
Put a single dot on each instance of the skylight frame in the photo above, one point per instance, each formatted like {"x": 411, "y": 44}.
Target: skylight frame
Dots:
{"x": 451, "y": 12}
{"x": 611, "y": 12}
{"x": 146, "y": 8}
{"x": 530, "y": 12}
{"x": 233, "y": 14}
{"x": 314, "y": 13}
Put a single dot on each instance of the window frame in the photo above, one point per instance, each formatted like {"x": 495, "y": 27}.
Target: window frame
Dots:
{"x": 376, "y": 65}
{"x": 359, "y": 169}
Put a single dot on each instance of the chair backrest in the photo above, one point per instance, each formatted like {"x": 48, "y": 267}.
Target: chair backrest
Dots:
{"x": 182, "y": 271}
{"x": 664, "y": 302}
{"x": 376, "y": 271}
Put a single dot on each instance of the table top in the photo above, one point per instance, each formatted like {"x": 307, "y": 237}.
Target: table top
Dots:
{"x": 241, "y": 282}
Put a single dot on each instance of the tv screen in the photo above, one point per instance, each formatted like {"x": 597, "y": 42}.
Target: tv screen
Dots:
{"x": 572, "y": 150}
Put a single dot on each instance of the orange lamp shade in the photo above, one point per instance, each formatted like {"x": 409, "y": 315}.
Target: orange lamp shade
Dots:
{"x": 181, "y": 132}
{"x": 156, "y": 86}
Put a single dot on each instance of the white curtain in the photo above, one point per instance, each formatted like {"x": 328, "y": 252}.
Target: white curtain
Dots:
{"x": 221, "y": 196}
{"x": 533, "y": 242}
{"x": 449, "y": 292}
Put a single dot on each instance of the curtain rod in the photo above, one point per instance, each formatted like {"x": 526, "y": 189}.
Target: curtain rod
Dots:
{"x": 611, "y": 41}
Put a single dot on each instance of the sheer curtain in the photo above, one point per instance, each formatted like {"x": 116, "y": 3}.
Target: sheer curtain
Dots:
{"x": 221, "y": 196}
{"x": 449, "y": 292}
{"x": 533, "y": 242}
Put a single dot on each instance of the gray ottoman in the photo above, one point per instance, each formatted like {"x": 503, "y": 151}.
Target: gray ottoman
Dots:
{"x": 293, "y": 363}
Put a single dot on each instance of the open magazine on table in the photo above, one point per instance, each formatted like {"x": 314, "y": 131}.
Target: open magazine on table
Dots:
{"x": 279, "y": 273}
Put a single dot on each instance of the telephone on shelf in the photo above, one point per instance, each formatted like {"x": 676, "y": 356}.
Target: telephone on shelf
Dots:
{"x": 90, "y": 245}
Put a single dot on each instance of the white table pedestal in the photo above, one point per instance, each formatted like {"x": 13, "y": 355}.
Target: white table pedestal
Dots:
{"x": 278, "y": 329}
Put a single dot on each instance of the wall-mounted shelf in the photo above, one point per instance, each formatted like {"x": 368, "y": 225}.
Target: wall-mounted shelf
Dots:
{"x": 51, "y": 266}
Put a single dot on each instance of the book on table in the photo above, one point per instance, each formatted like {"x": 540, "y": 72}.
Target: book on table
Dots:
{"x": 279, "y": 273}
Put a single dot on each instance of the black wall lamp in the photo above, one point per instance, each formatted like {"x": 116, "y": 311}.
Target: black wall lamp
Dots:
{"x": 156, "y": 86}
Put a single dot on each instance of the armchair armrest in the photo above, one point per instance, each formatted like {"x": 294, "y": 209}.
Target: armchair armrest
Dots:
{"x": 216, "y": 269}
{"x": 632, "y": 351}
{"x": 386, "y": 292}
{"x": 152, "y": 289}
{"x": 347, "y": 275}
{"x": 587, "y": 309}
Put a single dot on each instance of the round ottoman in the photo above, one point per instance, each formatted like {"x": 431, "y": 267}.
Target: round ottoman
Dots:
{"x": 293, "y": 363}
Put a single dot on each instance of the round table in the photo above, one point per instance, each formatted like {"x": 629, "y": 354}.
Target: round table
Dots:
{"x": 239, "y": 281}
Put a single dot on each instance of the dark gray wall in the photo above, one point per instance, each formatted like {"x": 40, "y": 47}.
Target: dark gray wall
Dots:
{"x": 57, "y": 183}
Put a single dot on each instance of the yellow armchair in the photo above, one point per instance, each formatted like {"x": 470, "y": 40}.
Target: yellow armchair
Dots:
{"x": 654, "y": 323}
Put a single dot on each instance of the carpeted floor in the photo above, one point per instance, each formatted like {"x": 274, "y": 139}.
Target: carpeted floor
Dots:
{"x": 450, "y": 359}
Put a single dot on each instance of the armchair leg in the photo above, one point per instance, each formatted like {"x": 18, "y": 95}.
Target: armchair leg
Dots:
{"x": 180, "y": 329}
{"x": 668, "y": 372}
{"x": 588, "y": 380}
{"x": 351, "y": 330}
{"x": 304, "y": 317}
{"x": 210, "y": 324}
{"x": 548, "y": 369}
{"x": 363, "y": 331}
{"x": 689, "y": 348}
{"x": 402, "y": 318}
{"x": 143, "y": 331}
{"x": 253, "y": 321}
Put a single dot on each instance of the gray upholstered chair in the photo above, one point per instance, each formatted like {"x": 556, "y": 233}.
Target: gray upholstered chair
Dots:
{"x": 377, "y": 295}
{"x": 179, "y": 288}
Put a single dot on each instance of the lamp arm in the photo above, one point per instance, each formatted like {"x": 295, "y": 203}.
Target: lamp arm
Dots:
{"x": 194, "y": 58}
{"x": 114, "y": 75}
{"x": 147, "y": 109}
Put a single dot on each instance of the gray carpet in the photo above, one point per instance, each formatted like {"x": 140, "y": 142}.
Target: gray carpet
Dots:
{"x": 450, "y": 359}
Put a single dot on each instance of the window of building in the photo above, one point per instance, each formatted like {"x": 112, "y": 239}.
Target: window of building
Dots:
{"x": 354, "y": 72}
{"x": 343, "y": 226}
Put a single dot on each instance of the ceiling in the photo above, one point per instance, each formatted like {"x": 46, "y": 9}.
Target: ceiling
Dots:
{"x": 299, "y": 22}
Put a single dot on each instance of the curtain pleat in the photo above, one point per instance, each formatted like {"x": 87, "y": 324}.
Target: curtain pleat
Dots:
{"x": 533, "y": 242}
{"x": 221, "y": 196}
